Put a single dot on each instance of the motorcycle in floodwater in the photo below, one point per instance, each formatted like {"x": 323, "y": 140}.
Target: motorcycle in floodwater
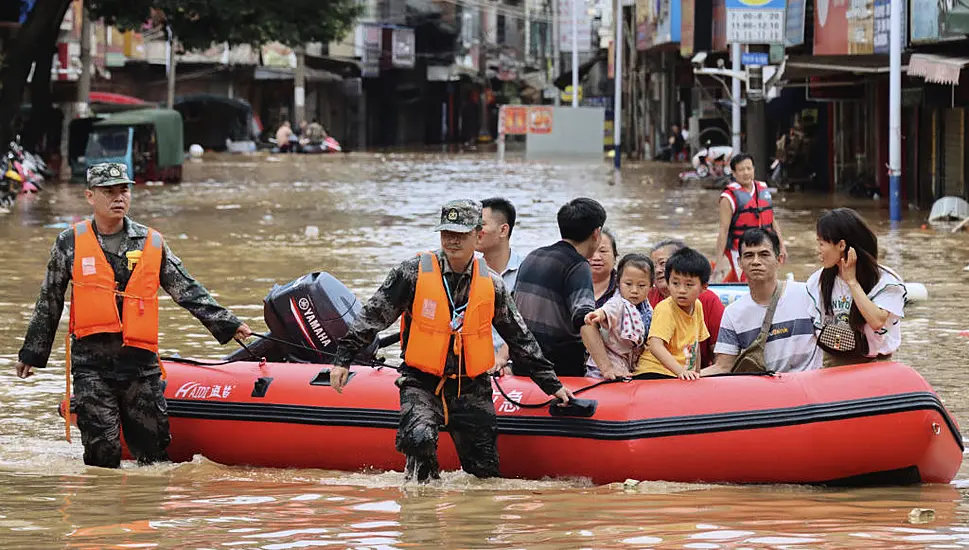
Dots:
{"x": 711, "y": 163}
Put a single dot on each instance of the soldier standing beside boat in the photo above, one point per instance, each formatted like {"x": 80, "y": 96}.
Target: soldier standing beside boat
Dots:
{"x": 115, "y": 267}
{"x": 449, "y": 301}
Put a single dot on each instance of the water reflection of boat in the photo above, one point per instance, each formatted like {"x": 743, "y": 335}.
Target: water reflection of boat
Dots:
{"x": 864, "y": 424}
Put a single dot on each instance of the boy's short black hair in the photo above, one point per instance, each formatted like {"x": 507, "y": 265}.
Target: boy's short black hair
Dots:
{"x": 504, "y": 207}
{"x": 758, "y": 235}
{"x": 580, "y": 218}
{"x": 689, "y": 262}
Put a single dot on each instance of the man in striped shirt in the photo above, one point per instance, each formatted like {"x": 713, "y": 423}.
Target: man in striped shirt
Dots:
{"x": 791, "y": 345}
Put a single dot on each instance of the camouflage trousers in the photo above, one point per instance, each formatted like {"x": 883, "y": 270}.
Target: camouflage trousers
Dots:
{"x": 106, "y": 407}
{"x": 471, "y": 421}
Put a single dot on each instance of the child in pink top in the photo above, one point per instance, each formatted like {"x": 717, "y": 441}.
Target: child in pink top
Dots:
{"x": 624, "y": 319}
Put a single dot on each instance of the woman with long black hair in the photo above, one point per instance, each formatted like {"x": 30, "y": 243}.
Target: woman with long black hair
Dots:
{"x": 858, "y": 302}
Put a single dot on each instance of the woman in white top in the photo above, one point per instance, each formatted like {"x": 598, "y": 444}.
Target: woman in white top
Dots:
{"x": 853, "y": 288}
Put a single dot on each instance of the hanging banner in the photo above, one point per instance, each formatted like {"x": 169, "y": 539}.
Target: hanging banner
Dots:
{"x": 883, "y": 25}
{"x": 687, "y": 28}
{"x": 794, "y": 31}
{"x": 403, "y": 50}
{"x": 831, "y": 27}
{"x": 372, "y": 50}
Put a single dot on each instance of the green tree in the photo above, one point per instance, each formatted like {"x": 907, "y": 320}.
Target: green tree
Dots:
{"x": 195, "y": 23}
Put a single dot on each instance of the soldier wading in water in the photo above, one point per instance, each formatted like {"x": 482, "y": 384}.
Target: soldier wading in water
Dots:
{"x": 116, "y": 267}
{"x": 449, "y": 301}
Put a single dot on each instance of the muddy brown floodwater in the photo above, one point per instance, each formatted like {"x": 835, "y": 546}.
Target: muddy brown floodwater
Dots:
{"x": 243, "y": 224}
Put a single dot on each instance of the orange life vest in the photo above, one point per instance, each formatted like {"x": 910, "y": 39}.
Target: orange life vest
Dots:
{"x": 93, "y": 306}
{"x": 752, "y": 210}
{"x": 430, "y": 321}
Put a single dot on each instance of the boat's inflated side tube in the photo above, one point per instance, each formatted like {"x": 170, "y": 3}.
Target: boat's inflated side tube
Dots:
{"x": 314, "y": 311}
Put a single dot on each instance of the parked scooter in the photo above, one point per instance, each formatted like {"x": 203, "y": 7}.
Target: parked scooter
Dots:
{"x": 31, "y": 168}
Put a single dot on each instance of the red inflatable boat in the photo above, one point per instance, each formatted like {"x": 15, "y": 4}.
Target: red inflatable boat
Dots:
{"x": 866, "y": 424}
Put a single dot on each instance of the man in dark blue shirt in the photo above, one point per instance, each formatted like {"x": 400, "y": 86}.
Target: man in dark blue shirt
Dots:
{"x": 554, "y": 290}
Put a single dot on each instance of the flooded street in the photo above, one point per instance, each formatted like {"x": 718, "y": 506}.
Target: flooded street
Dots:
{"x": 243, "y": 224}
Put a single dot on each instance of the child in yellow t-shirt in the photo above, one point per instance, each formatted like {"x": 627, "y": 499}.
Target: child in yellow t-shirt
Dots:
{"x": 673, "y": 345}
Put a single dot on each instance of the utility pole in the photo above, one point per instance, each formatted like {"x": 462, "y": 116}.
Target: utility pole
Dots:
{"x": 618, "y": 21}
{"x": 171, "y": 68}
{"x": 757, "y": 117}
{"x": 299, "y": 87}
{"x": 556, "y": 48}
{"x": 575, "y": 53}
{"x": 484, "y": 133}
{"x": 735, "y": 100}
{"x": 528, "y": 34}
{"x": 84, "y": 79}
{"x": 895, "y": 112}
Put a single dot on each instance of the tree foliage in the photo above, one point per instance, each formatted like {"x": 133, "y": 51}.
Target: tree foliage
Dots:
{"x": 198, "y": 24}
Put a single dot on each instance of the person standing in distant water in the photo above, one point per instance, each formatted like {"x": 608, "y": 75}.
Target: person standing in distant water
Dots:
{"x": 283, "y": 136}
{"x": 744, "y": 204}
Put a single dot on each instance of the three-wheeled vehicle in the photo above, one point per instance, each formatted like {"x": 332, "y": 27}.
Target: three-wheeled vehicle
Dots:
{"x": 148, "y": 141}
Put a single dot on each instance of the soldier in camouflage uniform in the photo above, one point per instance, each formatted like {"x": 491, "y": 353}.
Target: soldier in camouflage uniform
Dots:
{"x": 117, "y": 387}
{"x": 465, "y": 405}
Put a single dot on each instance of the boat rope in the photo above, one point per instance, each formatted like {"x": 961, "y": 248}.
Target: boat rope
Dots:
{"x": 380, "y": 364}
{"x": 373, "y": 363}
{"x": 551, "y": 400}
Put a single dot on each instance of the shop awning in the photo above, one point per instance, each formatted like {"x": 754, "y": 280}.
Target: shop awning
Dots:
{"x": 938, "y": 69}
{"x": 800, "y": 67}
{"x": 283, "y": 73}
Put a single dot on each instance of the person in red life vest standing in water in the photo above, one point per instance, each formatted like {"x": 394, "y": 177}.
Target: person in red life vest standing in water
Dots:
{"x": 449, "y": 301}
{"x": 115, "y": 267}
{"x": 744, "y": 204}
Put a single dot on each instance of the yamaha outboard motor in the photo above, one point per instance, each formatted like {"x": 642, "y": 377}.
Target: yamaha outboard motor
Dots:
{"x": 314, "y": 311}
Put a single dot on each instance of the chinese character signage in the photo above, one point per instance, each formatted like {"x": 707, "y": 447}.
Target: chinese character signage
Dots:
{"x": 540, "y": 120}
{"x": 756, "y": 21}
{"x": 794, "y": 34}
{"x": 403, "y": 48}
{"x": 719, "y": 31}
{"x": 372, "y": 48}
{"x": 844, "y": 27}
{"x": 668, "y": 23}
{"x": 882, "y": 25}
{"x": 583, "y": 21}
{"x": 514, "y": 119}
{"x": 831, "y": 27}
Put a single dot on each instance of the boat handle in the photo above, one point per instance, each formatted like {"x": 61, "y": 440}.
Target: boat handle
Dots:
{"x": 323, "y": 378}
{"x": 261, "y": 386}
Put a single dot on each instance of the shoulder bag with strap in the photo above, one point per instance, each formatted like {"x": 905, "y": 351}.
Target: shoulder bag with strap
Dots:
{"x": 751, "y": 360}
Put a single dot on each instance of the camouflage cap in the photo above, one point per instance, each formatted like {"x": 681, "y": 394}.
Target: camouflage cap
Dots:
{"x": 107, "y": 174}
{"x": 460, "y": 216}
